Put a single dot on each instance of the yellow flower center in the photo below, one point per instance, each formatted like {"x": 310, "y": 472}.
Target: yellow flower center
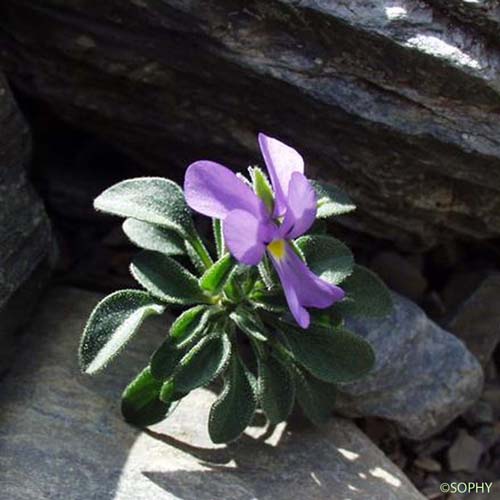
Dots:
{"x": 277, "y": 249}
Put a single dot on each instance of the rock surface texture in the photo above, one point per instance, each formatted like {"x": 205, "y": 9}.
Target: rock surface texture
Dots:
{"x": 424, "y": 377}
{"x": 62, "y": 435}
{"x": 25, "y": 236}
{"x": 398, "y": 103}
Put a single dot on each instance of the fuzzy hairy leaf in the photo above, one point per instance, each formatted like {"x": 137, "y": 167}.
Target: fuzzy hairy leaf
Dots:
{"x": 276, "y": 389}
{"x": 141, "y": 405}
{"x": 215, "y": 277}
{"x": 331, "y": 355}
{"x": 189, "y": 324}
{"x": 165, "y": 359}
{"x": 151, "y": 237}
{"x": 234, "y": 408}
{"x": 316, "y": 398}
{"x": 331, "y": 200}
{"x": 112, "y": 324}
{"x": 366, "y": 295}
{"x": 203, "y": 363}
{"x": 327, "y": 257}
{"x": 249, "y": 323}
{"x": 149, "y": 199}
{"x": 271, "y": 301}
{"x": 166, "y": 279}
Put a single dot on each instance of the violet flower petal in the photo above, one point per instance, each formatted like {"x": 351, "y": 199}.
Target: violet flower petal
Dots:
{"x": 281, "y": 161}
{"x": 246, "y": 236}
{"x": 214, "y": 190}
{"x": 301, "y": 210}
{"x": 301, "y": 286}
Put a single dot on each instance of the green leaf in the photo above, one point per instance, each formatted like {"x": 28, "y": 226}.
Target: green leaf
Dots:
{"x": 218, "y": 237}
{"x": 169, "y": 392}
{"x": 149, "y": 199}
{"x": 262, "y": 187}
{"x": 366, "y": 295}
{"x": 216, "y": 276}
{"x": 276, "y": 389}
{"x": 250, "y": 324}
{"x": 112, "y": 324}
{"x": 166, "y": 279}
{"x": 316, "y": 398}
{"x": 327, "y": 257}
{"x": 272, "y": 301}
{"x": 331, "y": 200}
{"x": 188, "y": 325}
{"x": 151, "y": 237}
{"x": 165, "y": 359}
{"x": 141, "y": 405}
{"x": 234, "y": 408}
{"x": 203, "y": 363}
{"x": 331, "y": 355}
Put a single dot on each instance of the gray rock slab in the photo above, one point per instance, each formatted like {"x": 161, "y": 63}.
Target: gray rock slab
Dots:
{"x": 62, "y": 436}
{"x": 424, "y": 377}
{"x": 25, "y": 235}
{"x": 397, "y": 102}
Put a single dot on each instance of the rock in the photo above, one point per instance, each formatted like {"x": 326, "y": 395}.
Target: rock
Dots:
{"x": 25, "y": 235}
{"x": 62, "y": 435}
{"x": 465, "y": 453}
{"x": 414, "y": 142}
{"x": 491, "y": 394}
{"x": 479, "y": 413}
{"x": 424, "y": 377}
{"x": 399, "y": 274}
{"x": 428, "y": 464}
{"x": 477, "y": 321}
{"x": 487, "y": 435}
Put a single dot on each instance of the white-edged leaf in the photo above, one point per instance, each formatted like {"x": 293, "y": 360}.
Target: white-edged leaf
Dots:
{"x": 150, "y": 199}
{"x": 166, "y": 279}
{"x": 331, "y": 200}
{"x": 112, "y": 324}
{"x": 152, "y": 237}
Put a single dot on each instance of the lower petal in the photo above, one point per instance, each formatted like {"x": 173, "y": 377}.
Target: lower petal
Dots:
{"x": 302, "y": 287}
{"x": 246, "y": 236}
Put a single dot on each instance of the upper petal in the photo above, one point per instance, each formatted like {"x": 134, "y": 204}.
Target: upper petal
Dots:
{"x": 302, "y": 287}
{"x": 214, "y": 190}
{"x": 281, "y": 161}
{"x": 301, "y": 210}
{"x": 246, "y": 236}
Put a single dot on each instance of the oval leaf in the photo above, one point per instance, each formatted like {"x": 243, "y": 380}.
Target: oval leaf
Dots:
{"x": 152, "y": 237}
{"x": 331, "y": 200}
{"x": 149, "y": 199}
{"x": 141, "y": 405}
{"x": 187, "y": 326}
{"x": 249, "y": 324}
{"x": 203, "y": 363}
{"x": 234, "y": 408}
{"x": 366, "y": 295}
{"x": 327, "y": 257}
{"x": 276, "y": 390}
{"x": 166, "y": 279}
{"x": 316, "y": 398}
{"x": 331, "y": 355}
{"x": 112, "y": 324}
{"x": 216, "y": 275}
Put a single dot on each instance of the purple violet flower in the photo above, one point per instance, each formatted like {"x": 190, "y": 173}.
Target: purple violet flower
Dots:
{"x": 250, "y": 229}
